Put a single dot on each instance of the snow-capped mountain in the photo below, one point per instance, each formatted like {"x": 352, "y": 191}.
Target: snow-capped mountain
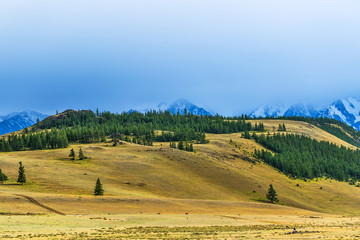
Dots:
{"x": 269, "y": 111}
{"x": 19, "y": 120}
{"x": 178, "y": 106}
{"x": 301, "y": 110}
{"x": 345, "y": 110}
{"x": 181, "y": 105}
{"x": 287, "y": 110}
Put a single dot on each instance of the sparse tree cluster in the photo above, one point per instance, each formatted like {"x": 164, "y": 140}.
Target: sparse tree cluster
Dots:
{"x": 186, "y": 146}
{"x": 81, "y": 154}
{"x": 282, "y": 128}
{"x": 21, "y": 177}
{"x": 259, "y": 127}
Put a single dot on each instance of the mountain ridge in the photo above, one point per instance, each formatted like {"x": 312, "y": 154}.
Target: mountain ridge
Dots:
{"x": 178, "y": 106}
{"x": 19, "y": 120}
{"x": 346, "y": 110}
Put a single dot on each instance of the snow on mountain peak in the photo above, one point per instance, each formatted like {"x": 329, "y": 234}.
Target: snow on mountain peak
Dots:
{"x": 346, "y": 110}
{"x": 178, "y": 106}
{"x": 19, "y": 120}
{"x": 269, "y": 111}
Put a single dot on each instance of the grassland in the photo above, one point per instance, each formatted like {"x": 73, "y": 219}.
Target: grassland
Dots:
{"x": 218, "y": 189}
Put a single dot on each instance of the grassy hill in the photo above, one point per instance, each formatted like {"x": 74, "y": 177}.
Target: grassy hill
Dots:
{"x": 215, "y": 171}
{"x": 220, "y": 183}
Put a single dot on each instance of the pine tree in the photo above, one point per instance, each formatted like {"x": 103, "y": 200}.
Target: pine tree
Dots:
{"x": 3, "y": 177}
{"x": 246, "y": 135}
{"x": 181, "y": 145}
{"x": 81, "y": 155}
{"x": 72, "y": 154}
{"x": 280, "y": 127}
{"x": 98, "y": 191}
{"x": 187, "y": 146}
{"x": 22, "y": 177}
{"x": 284, "y": 128}
{"x": 272, "y": 195}
{"x": 191, "y": 148}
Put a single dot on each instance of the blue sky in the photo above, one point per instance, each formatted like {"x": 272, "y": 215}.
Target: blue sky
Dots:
{"x": 229, "y": 56}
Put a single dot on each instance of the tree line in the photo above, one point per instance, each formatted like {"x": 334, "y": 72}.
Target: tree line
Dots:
{"x": 306, "y": 158}
{"x": 52, "y": 139}
{"x": 87, "y": 127}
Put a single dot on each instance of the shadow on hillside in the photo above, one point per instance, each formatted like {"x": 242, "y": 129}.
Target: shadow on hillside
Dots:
{"x": 262, "y": 200}
{"x": 10, "y": 184}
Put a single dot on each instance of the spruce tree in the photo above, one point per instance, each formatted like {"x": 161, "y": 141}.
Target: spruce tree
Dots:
{"x": 21, "y": 178}
{"x": 284, "y": 128}
{"x": 72, "y": 154}
{"x": 187, "y": 146}
{"x": 98, "y": 191}
{"x": 81, "y": 155}
{"x": 246, "y": 135}
{"x": 191, "y": 148}
{"x": 181, "y": 145}
{"x": 3, "y": 177}
{"x": 272, "y": 195}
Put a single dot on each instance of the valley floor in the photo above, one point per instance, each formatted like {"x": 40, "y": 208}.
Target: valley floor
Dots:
{"x": 178, "y": 226}
{"x": 52, "y": 216}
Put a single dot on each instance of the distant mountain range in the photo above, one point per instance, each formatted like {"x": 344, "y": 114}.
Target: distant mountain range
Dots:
{"x": 19, "y": 120}
{"x": 300, "y": 110}
{"x": 178, "y": 106}
{"x": 346, "y": 110}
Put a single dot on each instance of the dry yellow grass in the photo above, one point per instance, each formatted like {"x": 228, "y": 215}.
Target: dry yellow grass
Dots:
{"x": 216, "y": 180}
{"x": 302, "y": 128}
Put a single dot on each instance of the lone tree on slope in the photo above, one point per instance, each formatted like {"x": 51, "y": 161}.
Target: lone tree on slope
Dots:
{"x": 81, "y": 154}
{"x": 3, "y": 177}
{"x": 272, "y": 195}
{"x": 22, "y": 177}
{"x": 98, "y": 191}
{"x": 72, "y": 154}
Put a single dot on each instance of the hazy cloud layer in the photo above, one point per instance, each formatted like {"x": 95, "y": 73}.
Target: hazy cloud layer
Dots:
{"x": 230, "y": 56}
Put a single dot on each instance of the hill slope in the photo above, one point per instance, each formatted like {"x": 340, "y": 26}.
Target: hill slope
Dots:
{"x": 217, "y": 171}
